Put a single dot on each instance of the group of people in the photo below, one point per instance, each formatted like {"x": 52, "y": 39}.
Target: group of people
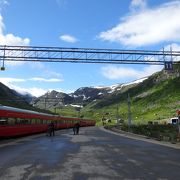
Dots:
{"x": 51, "y": 129}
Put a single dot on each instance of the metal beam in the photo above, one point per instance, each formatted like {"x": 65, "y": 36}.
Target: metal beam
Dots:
{"x": 86, "y": 55}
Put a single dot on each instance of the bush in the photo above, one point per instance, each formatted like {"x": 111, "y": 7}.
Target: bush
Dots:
{"x": 157, "y": 131}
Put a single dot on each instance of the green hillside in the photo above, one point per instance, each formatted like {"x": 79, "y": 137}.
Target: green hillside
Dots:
{"x": 157, "y": 98}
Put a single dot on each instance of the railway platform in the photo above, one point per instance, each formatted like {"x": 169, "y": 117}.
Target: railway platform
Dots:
{"x": 93, "y": 154}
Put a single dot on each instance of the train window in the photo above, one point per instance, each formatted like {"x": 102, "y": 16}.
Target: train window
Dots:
{"x": 11, "y": 121}
{"x": 38, "y": 121}
{"x": 18, "y": 121}
{"x": 24, "y": 121}
{"x": 44, "y": 121}
{"x": 3, "y": 121}
{"x": 33, "y": 121}
{"x": 30, "y": 121}
{"x": 21, "y": 121}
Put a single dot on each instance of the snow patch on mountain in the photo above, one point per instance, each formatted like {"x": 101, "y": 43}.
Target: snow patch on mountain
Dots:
{"x": 98, "y": 87}
{"x": 76, "y": 105}
{"x": 135, "y": 82}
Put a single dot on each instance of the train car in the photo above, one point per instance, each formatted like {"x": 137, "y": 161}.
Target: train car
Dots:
{"x": 18, "y": 122}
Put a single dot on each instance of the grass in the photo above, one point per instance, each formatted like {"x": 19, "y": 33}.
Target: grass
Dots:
{"x": 160, "y": 102}
{"x": 67, "y": 111}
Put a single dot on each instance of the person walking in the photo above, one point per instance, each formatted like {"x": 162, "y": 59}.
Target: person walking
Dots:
{"x": 51, "y": 129}
{"x": 76, "y": 128}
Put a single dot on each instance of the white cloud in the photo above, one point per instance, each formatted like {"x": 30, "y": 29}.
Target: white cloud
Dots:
{"x": 138, "y": 5}
{"x": 50, "y": 73}
{"x": 3, "y": 3}
{"x": 114, "y": 72}
{"x": 11, "y": 83}
{"x": 174, "y": 47}
{"x": 68, "y": 38}
{"x": 10, "y": 39}
{"x": 46, "y": 70}
{"x": 36, "y": 91}
{"x": 33, "y": 91}
{"x": 15, "y": 80}
{"x": 150, "y": 26}
{"x": 45, "y": 80}
{"x": 8, "y": 81}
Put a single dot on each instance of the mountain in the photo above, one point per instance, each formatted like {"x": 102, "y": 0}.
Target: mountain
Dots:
{"x": 155, "y": 98}
{"x": 79, "y": 98}
{"x": 52, "y": 99}
{"x": 10, "y": 97}
{"x": 152, "y": 98}
{"x": 88, "y": 94}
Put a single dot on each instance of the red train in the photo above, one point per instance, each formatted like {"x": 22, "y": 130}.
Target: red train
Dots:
{"x": 17, "y": 122}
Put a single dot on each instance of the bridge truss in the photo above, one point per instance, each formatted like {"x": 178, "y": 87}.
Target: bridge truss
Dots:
{"x": 87, "y": 55}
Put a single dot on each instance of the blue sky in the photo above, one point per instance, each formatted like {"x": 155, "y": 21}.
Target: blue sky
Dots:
{"x": 125, "y": 24}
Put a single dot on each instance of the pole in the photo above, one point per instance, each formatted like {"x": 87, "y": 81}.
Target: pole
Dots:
{"x": 179, "y": 123}
{"x": 4, "y": 54}
{"x": 129, "y": 112}
{"x": 45, "y": 103}
{"x": 117, "y": 115}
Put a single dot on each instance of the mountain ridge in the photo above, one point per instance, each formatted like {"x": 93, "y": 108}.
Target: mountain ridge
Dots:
{"x": 149, "y": 96}
{"x": 80, "y": 97}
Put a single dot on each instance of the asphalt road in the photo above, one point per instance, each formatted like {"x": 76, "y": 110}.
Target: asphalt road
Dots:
{"x": 93, "y": 154}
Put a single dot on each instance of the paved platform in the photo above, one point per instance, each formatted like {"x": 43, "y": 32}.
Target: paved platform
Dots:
{"x": 93, "y": 154}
